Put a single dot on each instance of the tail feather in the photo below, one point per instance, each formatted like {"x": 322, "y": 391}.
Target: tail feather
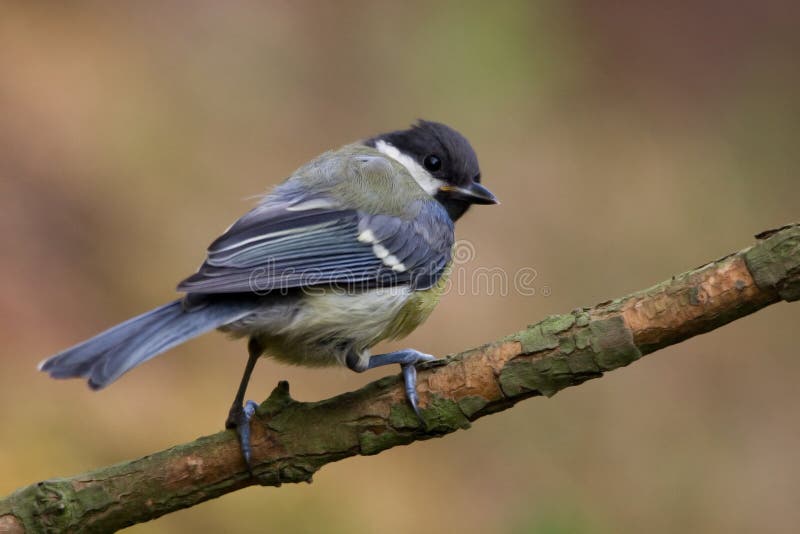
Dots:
{"x": 105, "y": 357}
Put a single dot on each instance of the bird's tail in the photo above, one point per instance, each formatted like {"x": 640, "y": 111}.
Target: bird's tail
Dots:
{"x": 105, "y": 357}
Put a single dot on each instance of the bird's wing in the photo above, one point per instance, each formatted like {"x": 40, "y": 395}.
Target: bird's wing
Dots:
{"x": 302, "y": 243}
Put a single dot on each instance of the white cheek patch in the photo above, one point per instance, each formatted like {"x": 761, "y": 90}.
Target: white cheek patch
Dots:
{"x": 425, "y": 180}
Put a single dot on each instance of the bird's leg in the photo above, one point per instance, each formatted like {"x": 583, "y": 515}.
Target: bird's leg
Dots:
{"x": 408, "y": 359}
{"x": 241, "y": 412}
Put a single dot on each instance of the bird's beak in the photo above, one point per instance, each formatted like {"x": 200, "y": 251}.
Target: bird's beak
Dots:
{"x": 474, "y": 193}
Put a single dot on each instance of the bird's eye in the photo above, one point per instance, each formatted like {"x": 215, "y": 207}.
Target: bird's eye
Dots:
{"x": 432, "y": 163}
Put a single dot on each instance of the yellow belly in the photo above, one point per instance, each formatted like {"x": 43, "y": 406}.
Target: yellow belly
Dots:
{"x": 417, "y": 309}
{"x": 328, "y": 326}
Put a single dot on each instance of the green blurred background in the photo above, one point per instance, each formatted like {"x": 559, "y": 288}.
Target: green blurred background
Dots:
{"x": 628, "y": 141}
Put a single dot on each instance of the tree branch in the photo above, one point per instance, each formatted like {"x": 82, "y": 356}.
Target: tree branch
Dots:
{"x": 292, "y": 440}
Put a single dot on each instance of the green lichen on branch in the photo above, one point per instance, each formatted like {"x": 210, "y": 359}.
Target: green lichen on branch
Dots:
{"x": 292, "y": 440}
{"x": 566, "y": 350}
{"x": 775, "y": 262}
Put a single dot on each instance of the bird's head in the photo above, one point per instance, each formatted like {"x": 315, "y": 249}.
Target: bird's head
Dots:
{"x": 442, "y": 162}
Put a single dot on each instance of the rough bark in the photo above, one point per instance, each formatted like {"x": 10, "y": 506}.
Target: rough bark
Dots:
{"x": 292, "y": 440}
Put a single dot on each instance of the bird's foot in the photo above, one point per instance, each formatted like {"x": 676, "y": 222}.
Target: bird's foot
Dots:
{"x": 239, "y": 418}
{"x": 408, "y": 360}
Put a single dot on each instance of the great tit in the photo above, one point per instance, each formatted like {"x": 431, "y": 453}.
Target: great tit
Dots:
{"x": 352, "y": 249}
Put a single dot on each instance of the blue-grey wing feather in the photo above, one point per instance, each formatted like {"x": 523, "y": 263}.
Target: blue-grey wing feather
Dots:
{"x": 276, "y": 247}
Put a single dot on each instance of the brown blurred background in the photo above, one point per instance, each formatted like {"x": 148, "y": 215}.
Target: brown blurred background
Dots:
{"x": 627, "y": 140}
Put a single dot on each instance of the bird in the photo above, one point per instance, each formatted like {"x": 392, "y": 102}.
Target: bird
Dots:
{"x": 352, "y": 249}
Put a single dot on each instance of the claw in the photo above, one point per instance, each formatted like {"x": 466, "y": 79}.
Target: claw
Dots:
{"x": 408, "y": 359}
{"x": 240, "y": 420}
{"x": 410, "y": 379}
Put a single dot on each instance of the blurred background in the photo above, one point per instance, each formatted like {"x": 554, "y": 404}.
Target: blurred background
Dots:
{"x": 627, "y": 140}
